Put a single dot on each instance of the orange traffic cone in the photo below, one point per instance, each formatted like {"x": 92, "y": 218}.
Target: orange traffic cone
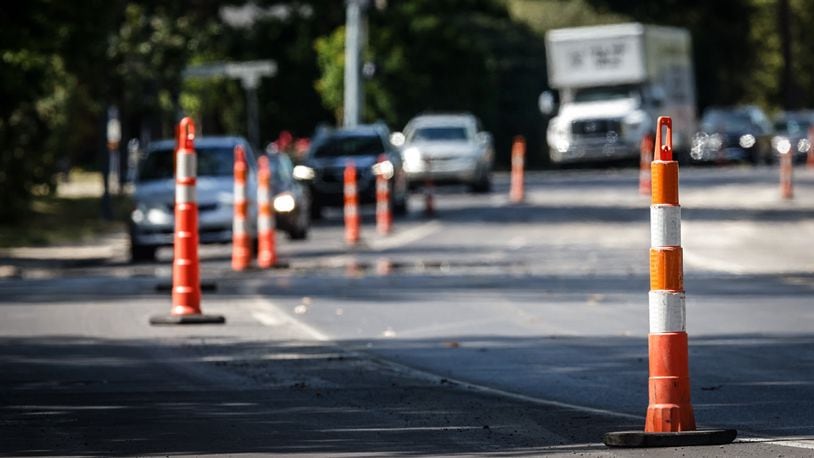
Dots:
{"x": 670, "y": 421}
{"x": 351, "y": 205}
{"x": 266, "y": 246}
{"x": 241, "y": 241}
{"x": 810, "y": 153}
{"x": 384, "y": 216}
{"x": 186, "y": 281}
{"x": 517, "y": 191}
{"x": 644, "y": 164}
{"x": 786, "y": 174}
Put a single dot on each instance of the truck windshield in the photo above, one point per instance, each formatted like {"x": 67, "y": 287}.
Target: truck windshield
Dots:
{"x": 604, "y": 93}
{"x": 158, "y": 165}
{"x": 440, "y": 133}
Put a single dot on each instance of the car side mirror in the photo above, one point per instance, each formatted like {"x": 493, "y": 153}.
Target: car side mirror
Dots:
{"x": 547, "y": 103}
{"x": 484, "y": 138}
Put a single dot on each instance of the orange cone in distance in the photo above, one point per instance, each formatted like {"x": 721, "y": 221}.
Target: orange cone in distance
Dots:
{"x": 352, "y": 216}
{"x": 517, "y": 190}
{"x": 241, "y": 241}
{"x": 266, "y": 244}
{"x": 644, "y": 164}
{"x": 384, "y": 215}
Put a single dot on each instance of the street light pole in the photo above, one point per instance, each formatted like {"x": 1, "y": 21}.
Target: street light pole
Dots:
{"x": 353, "y": 40}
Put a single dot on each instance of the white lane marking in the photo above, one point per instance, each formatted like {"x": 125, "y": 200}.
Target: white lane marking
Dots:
{"x": 267, "y": 319}
{"x": 794, "y": 442}
{"x": 517, "y": 242}
{"x": 403, "y": 238}
{"x": 270, "y": 314}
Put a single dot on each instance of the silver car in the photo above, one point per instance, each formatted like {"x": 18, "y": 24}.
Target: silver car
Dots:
{"x": 447, "y": 148}
{"x": 152, "y": 222}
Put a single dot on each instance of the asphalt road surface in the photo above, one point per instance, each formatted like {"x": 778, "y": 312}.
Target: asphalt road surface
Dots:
{"x": 491, "y": 329}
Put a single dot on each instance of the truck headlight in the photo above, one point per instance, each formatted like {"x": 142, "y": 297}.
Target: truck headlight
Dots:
{"x": 284, "y": 203}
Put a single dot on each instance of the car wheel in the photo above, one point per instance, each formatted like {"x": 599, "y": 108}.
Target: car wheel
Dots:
{"x": 400, "y": 207}
{"x": 300, "y": 232}
{"x": 142, "y": 253}
{"x": 483, "y": 183}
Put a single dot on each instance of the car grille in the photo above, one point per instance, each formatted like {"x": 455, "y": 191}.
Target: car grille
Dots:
{"x": 596, "y": 127}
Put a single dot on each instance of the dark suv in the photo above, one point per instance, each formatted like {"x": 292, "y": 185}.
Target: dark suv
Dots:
{"x": 331, "y": 150}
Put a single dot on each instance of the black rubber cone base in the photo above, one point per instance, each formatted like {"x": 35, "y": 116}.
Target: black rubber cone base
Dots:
{"x": 680, "y": 439}
{"x": 206, "y": 287}
{"x": 187, "y": 319}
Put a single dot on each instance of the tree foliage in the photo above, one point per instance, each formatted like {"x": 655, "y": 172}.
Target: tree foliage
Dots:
{"x": 64, "y": 64}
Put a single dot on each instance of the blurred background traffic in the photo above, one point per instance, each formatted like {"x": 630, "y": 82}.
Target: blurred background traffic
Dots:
{"x": 90, "y": 91}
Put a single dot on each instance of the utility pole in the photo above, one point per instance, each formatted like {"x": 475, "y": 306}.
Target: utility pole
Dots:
{"x": 353, "y": 40}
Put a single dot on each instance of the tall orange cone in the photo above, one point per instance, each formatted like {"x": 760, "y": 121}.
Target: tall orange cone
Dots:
{"x": 241, "y": 241}
{"x": 810, "y": 153}
{"x": 517, "y": 191}
{"x": 670, "y": 421}
{"x": 644, "y": 164}
{"x": 786, "y": 171}
{"x": 384, "y": 215}
{"x": 351, "y": 205}
{"x": 266, "y": 246}
{"x": 186, "y": 280}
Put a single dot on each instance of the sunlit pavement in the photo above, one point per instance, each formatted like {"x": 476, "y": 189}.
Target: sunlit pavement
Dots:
{"x": 491, "y": 329}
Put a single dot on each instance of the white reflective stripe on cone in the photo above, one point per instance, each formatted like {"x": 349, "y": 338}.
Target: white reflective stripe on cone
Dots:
{"x": 350, "y": 190}
{"x": 350, "y": 210}
{"x": 262, "y": 195}
{"x": 265, "y": 225}
{"x": 240, "y": 192}
{"x": 185, "y": 165}
{"x": 665, "y": 225}
{"x": 382, "y": 207}
{"x": 667, "y": 311}
{"x": 184, "y": 193}
{"x": 239, "y": 226}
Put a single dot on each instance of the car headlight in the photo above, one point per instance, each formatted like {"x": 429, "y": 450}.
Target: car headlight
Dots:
{"x": 803, "y": 145}
{"x": 384, "y": 168}
{"x": 158, "y": 215}
{"x": 284, "y": 203}
{"x": 748, "y": 141}
{"x": 783, "y": 145}
{"x": 137, "y": 216}
{"x": 716, "y": 141}
{"x": 303, "y": 172}
{"x": 412, "y": 155}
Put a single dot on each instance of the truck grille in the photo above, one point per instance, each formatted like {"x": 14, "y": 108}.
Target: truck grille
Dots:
{"x": 596, "y": 127}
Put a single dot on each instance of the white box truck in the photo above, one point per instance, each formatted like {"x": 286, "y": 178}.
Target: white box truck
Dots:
{"x": 614, "y": 81}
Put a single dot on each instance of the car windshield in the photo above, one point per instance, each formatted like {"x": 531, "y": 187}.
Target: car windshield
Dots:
{"x": 727, "y": 121}
{"x": 212, "y": 162}
{"x": 792, "y": 126}
{"x": 439, "y": 133}
{"x": 350, "y": 145}
{"x": 604, "y": 93}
